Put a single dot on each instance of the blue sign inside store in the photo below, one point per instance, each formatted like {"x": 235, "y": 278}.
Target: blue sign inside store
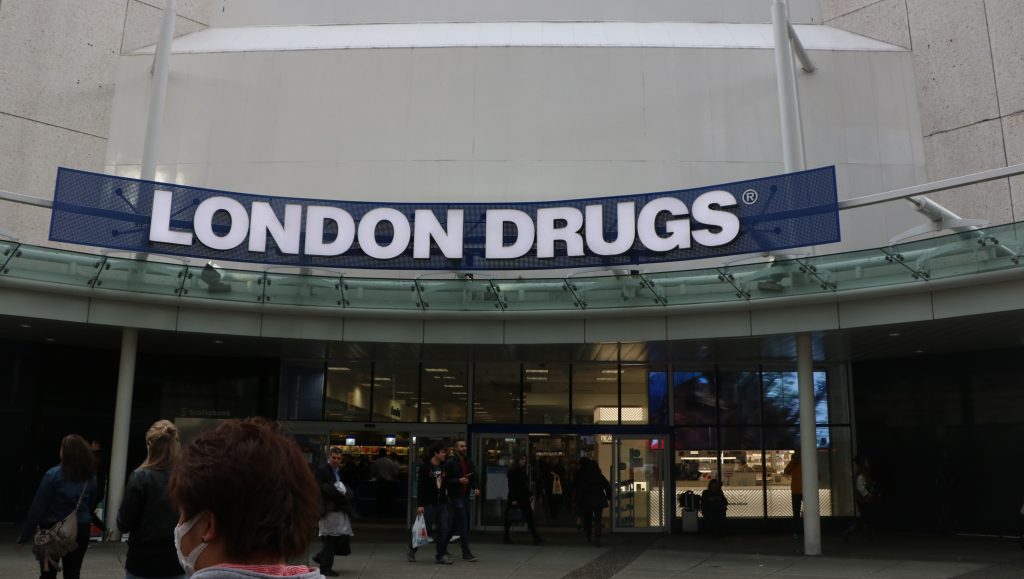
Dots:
{"x": 759, "y": 215}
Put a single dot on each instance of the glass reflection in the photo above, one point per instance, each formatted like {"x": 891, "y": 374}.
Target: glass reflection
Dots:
{"x": 445, "y": 393}
{"x": 348, "y": 392}
{"x": 546, "y": 393}
{"x": 496, "y": 393}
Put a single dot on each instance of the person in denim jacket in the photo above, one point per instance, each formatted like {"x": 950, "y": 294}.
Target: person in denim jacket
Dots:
{"x": 58, "y": 493}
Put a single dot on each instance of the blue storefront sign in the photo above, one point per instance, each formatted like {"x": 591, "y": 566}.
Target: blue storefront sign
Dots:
{"x": 759, "y": 215}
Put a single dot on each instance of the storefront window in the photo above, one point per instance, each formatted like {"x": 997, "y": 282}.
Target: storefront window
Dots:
{"x": 742, "y": 461}
{"x": 739, "y": 397}
{"x": 394, "y": 392}
{"x": 546, "y": 393}
{"x": 445, "y": 393}
{"x": 595, "y": 394}
{"x": 782, "y": 398}
{"x": 348, "y": 391}
{"x": 496, "y": 393}
{"x": 694, "y": 461}
{"x": 635, "y": 395}
{"x": 301, "y": 396}
{"x": 693, "y": 397}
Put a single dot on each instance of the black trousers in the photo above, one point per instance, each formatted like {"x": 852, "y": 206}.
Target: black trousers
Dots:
{"x": 333, "y": 545}
{"x": 527, "y": 511}
{"x": 72, "y": 562}
{"x": 592, "y": 524}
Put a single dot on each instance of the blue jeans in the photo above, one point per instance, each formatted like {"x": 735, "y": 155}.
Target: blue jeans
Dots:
{"x": 437, "y": 518}
{"x": 461, "y": 507}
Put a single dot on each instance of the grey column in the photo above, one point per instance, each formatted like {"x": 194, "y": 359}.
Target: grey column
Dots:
{"x": 808, "y": 445}
{"x": 122, "y": 420}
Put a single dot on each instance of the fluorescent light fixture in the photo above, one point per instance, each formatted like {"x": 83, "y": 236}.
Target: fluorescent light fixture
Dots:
{"x": 605, "y": 379}
{"x": 402, "y": 392}
{"x": 609, "y": 371}
{"x": 381, "y": 379}
{"x": 339, "y": 369}
{"x": 539, "y": 434}
{"x": 441, "y": 370}
{"x": 453, "y": 386}
{"x": 449, "y": 377}
{"x": 536, "y": 371}
{"x": 537, "y": 378}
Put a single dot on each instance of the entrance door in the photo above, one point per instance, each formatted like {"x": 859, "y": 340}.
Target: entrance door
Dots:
{"x": 638, "y": 484}
{"x": 495, "y": 453}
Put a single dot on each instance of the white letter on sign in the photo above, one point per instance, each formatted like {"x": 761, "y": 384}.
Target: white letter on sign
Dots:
{"x": 286, "y": 236}
{"x": 315, "y": 217}
{"x": 427, "y": 227}
{"x": 703, "y": 212}
{"x": 626, "y": 229}
{"x": 202, "y": 222}
{"x": 678, "y": 229}
{"x": 160, "y": 222}
{"x": 368, "y": 233}
{"x": 495, "y": 237}
{"x": 548, "y": 234}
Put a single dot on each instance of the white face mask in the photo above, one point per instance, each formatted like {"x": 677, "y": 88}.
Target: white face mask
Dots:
{"x": 187, "y": 563}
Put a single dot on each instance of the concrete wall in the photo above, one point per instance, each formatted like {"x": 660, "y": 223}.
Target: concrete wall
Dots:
{"x": 57, "y": 75}
{"x": 969, "y": 68}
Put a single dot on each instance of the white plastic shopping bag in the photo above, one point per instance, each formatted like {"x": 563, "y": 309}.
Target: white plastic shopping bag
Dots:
{"x": 420, "y": 536}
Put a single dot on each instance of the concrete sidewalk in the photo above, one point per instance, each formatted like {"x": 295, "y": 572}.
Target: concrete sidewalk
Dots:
{"x": 379, "y": 553}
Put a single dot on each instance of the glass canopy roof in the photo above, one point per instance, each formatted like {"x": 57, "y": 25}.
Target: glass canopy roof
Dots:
{"x": 962, "y": 254}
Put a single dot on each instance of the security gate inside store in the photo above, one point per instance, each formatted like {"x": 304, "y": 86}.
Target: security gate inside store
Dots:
{"x": 635, "y": 466}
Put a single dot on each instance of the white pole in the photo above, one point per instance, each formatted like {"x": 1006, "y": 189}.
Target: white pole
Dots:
{"x": 808, "y": 445}
{"x": 161, "y": 70}
{"x": 789, "y": 105}
{"x": 122, "y": 420}
{"x": 130, "y": 336}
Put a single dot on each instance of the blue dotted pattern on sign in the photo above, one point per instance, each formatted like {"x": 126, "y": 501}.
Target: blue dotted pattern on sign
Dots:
{"x": 792, "y": 210}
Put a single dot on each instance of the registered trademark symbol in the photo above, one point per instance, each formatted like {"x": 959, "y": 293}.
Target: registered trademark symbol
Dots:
{"x": 750, "y": 196}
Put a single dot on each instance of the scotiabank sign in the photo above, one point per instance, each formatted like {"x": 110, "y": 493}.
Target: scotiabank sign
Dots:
{"x": 767, "y": 214}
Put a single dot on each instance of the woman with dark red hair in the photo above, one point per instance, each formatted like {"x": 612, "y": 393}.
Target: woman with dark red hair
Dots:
{"x": 247, "y": 502}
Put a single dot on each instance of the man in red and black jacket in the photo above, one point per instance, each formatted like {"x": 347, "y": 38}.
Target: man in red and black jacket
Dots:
{"x": 460, "y": 476}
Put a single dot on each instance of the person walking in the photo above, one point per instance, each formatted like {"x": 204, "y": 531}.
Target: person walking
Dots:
{"x": 519, "y": 498}
{"x": 68, "y": 487}
{"x": 432, "y": 502}
{"x": 866, "y": 495}
{"x": 386, "y": 472}
{"x": 460, "y": 476}
{"x": 794, "y": 470}
{"x": 335, "y": 514}
{"x": 146, "y": 512}
{"x": 593, "y": 493}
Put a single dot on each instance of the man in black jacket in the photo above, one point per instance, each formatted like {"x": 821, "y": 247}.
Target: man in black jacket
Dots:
{"x": 519, "y": 498}
{"x": 432, "y": 502}
{"x": 336, "y": 515}
{"x": 460, "y": 476}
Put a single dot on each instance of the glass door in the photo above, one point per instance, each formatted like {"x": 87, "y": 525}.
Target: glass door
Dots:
{"x": 638, "y": 484}
{"x": 493, "y": 455}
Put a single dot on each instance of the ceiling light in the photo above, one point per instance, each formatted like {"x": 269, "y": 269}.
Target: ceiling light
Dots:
{"x": 339, "y": 369}
{"x": 441, "y": 370}
{"x": 449, "y": 377}
{"x": 381, "y": 379}
{"x": 894, "y": 334}
{"x": 537, "y": 378}
{"x": 51, "y": 340}
{"x": 218, "y": 341}
{"x": 919, "y": 351}
{"x": 453, "y": 386}
{"x": 27, "y": 326}
{"x": 604, "y": 379}
{"x": 536, "y": 371}
{"x": 609, "y": 371}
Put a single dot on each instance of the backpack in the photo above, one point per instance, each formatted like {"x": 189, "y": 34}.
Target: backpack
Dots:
{"x": 51, "y": 545}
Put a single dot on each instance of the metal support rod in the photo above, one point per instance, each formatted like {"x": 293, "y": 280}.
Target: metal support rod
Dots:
{"x": 789, "y": 105}
{"x": 122, "y": 420}
{"x": 808, "y": 445}
{"x": 798, "y": 47}
{"x": 161, "y": 70}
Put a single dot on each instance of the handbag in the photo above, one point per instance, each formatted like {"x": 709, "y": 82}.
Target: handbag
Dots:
{"x": 514, "y": 515}
{"x": 419, "y": 532}
{"x": 51, "y": 545}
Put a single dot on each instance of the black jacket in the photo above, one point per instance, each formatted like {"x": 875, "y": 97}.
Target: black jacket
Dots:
{"x": 430, "y": 485}
{"x": 331, "y": 498}
{"x": 518, "y": 485}
{"x": 452, "y": 474}
{"x": 148, "y": 515}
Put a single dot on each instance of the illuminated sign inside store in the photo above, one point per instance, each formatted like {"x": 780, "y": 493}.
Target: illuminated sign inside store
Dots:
{"x": 759, "y": 215}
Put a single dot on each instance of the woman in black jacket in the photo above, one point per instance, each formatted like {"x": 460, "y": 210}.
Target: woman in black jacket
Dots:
{"x": 146, "y": 511}
{"x": 592, "y": 495}
{"x": 519, "y": 498}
